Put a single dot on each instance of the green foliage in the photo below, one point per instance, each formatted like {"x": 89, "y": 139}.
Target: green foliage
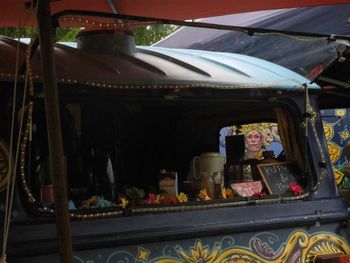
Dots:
{"x": 135, "y": 193}
{"x": 67, "y": 34}
{"x": 62, "y": 34}
{"x": 149, "y": 35}
{"x": 17, "y": 32}
{"x": 143, "y": 36}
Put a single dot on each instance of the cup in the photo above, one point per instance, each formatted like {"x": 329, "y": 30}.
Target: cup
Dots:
{"x": 46, "y": 195}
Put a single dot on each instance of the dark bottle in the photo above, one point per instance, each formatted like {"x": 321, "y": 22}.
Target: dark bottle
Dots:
{"x": 90, "y": 171}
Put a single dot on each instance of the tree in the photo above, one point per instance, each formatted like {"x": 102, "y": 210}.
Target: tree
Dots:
{"x": 17, "y": 32}
{"x": 151, "y": 34}
{"x": 143, "y": 36}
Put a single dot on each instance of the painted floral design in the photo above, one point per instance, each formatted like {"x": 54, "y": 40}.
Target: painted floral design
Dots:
{"x": 328, "y": 130}
{"x": 299, "y": 247}
{"x": 200, "y": 254}
{"x": 340, "y": 112}
{"x": 334, "y": 151}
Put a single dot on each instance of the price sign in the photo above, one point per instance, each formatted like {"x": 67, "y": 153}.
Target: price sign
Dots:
{"x": 278, "y": 176}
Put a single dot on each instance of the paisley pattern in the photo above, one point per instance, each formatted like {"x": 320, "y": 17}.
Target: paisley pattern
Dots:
{"x": 300, "y": 247}
{"x": 339, "y": 175}
{"x": 328, "y": 130}
{"x": 340, "y": 112}
{"x": 334, "y": 151}
{"x": 344, "y": 135}
{"x": 336, "y": 124}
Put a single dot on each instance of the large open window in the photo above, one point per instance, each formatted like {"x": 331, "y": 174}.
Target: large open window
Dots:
{"x": 158, "y": 153}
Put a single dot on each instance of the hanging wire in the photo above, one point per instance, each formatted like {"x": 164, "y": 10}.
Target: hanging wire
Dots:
{"x": 306, "y": 126}
{"x": 13, "y": 166}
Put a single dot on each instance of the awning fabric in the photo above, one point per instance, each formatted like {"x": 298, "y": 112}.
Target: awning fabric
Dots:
{"x": 305, "y": 56}
{"x": 15, "y": 13}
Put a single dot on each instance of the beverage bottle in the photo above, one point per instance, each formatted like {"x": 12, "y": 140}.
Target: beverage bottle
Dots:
{"x": 92, "y": 180}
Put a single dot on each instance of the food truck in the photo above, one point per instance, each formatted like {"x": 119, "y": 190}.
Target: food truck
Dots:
{"x": 171, "y": 156}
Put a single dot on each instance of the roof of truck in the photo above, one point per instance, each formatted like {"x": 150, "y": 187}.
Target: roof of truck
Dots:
{"x": 153, "y": 67}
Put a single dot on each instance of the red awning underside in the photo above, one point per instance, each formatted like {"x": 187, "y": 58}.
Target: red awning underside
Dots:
{"x": 14, "y": 12}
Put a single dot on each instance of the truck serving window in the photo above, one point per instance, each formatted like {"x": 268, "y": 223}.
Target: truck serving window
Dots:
{"x": 126, "y": 157}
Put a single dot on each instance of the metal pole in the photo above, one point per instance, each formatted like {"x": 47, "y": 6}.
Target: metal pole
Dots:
{"x": 57, "y": 165}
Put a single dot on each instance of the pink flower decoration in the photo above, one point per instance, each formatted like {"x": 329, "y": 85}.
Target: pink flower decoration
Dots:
{"x": 152, "y": 199}
{"x": 168, "y": 200}
{"x": 260, "y": 195}
{"x": 295, "y": 188}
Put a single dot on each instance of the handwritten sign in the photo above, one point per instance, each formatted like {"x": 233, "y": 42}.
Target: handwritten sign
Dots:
{"x": 278, "y": 176}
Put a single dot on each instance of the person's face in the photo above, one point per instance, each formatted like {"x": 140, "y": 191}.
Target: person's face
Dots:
{"x": 253, "y": 140}
{"x": 267, "y": 136}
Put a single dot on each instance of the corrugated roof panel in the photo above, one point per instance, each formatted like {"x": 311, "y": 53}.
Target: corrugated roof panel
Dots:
{"x": 157, "y": 66}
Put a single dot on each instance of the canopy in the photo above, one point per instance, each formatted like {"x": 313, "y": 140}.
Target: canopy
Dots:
{"x": 15, "y": 12}
{"x": 305, "y": 56}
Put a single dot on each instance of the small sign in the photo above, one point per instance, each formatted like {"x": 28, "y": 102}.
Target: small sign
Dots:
{"x": 278, "y": 176}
